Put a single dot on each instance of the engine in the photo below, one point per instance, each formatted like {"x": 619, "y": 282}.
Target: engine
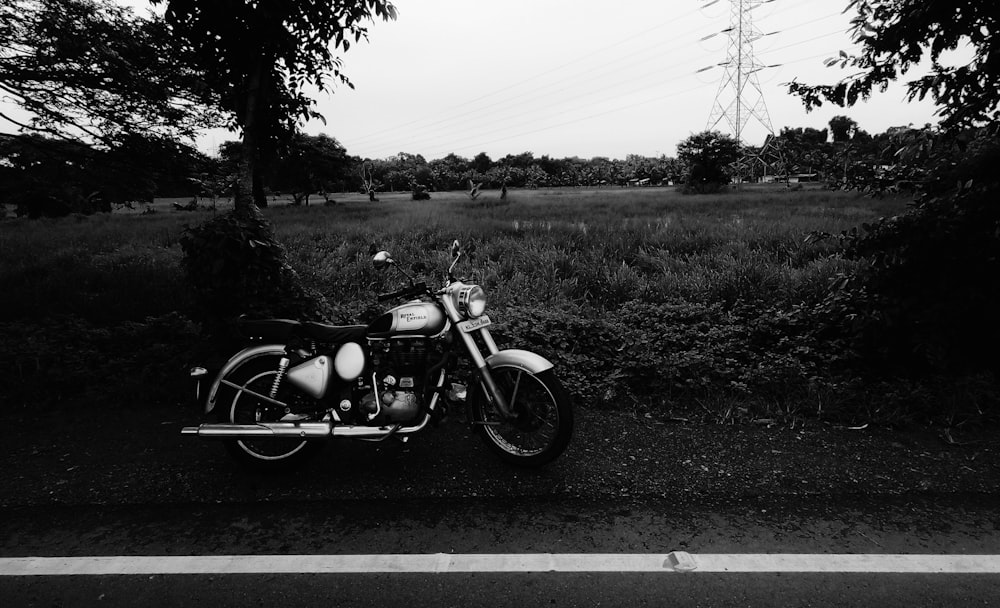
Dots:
{"x": 400, "y": 373}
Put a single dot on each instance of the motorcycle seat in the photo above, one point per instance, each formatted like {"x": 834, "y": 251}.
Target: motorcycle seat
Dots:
{"x": 333, "y": 334}
{"x": 278, "y": 330}
{"x": 281, "y": 330}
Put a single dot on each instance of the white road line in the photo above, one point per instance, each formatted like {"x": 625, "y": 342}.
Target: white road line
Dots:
{"x": 443, "y": 563}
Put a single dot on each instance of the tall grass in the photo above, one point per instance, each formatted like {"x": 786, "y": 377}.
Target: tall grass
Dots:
{"x": 635, "y": 294}
{"x": 105, "y": 268}
{"x": 590, "y": 250}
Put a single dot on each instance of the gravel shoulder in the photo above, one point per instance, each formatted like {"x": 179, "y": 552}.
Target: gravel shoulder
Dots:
{"x": 138, "y": 457}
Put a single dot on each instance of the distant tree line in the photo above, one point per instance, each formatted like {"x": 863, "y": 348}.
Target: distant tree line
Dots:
{"x": 47, "y": 176}
{"x": 524, "y": 170}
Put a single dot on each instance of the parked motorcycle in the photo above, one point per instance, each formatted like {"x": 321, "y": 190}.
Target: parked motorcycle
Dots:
{"x": 297, "y": 384}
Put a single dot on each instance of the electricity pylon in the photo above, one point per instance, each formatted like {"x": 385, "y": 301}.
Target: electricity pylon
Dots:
{"x": 739, "y": 98}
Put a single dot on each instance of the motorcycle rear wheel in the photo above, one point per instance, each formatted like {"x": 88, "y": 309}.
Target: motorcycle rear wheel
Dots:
{"x": 543, "y": 423}
{"x": 241, "y": 407}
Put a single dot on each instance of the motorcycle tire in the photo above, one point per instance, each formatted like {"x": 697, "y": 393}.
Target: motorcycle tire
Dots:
{"x": 239, "y": 407}
{"x": 543, "y": 423}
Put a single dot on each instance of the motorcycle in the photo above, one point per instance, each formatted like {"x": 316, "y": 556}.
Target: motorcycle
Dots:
{"x": 297, "y": 384}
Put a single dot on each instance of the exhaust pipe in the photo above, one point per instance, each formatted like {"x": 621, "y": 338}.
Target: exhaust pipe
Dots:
{"x": 302, "y": 430}
{"x": 297, "y": 430}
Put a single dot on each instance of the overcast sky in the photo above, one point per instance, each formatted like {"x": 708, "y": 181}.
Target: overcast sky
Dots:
{"x": 576, "y": 77}
{"x": 579, "y": 77}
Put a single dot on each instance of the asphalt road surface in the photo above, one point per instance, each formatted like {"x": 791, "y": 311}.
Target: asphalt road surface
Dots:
{"x": 638, "y": 512}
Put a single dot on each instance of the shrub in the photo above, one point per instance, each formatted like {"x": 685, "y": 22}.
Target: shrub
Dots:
{"x": 926, "y": 297}
{"x": 236, "y": 267}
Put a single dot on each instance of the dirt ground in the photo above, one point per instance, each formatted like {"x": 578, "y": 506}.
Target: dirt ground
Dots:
{"x": 139, "y": 457}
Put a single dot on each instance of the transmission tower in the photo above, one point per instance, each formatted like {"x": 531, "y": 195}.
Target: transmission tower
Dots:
{"x": 739, "y": 97}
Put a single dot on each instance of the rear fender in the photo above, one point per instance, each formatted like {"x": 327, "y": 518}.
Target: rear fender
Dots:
{"x": 240, "y": 358}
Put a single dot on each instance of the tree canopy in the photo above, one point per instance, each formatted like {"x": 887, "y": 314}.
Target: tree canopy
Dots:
{"x": 925, "y": 298}
{"x": 263, "y": 58}
{"x": 707, "y": 157}
{"x": 93, "y": 71}
{"x": 896, "y": 35}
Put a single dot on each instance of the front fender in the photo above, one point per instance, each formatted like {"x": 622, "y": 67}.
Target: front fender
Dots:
{"x": 521, "y": 359}
{"x": 247, "y": 354}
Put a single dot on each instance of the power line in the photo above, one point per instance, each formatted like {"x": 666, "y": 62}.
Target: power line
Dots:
{"x": 536, "y": 76}
{"x": 479, "y": 144}
{"x": 510, "y": 103}
{"x": 556, "y": 98}
{"x": 615, "y": 93}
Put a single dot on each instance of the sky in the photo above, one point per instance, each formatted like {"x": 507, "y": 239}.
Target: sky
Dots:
{"x": 577, "y": 77}
{"x": 580, "y": 77}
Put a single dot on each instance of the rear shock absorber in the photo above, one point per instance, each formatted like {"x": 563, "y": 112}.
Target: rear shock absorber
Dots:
{"x": 282, "y": 368}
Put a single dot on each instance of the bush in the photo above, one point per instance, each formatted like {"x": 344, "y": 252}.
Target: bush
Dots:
{"x": 236, "y": 267}
{"x": 670, "y": 352}
{"x": 926, "y": 298}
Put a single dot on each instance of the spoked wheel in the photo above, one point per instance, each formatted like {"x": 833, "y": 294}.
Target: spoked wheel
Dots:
{"x": 243, "y": 407}
{"x": 543, "y": 422}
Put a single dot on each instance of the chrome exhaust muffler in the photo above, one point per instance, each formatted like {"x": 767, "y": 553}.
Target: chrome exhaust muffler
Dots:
{"x": 265, "y": 430}
{"x": 297, "y": 430}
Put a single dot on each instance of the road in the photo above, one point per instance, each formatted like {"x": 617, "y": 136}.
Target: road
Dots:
{"x": 629, "y": 489}
{"x": 939, "y": 526}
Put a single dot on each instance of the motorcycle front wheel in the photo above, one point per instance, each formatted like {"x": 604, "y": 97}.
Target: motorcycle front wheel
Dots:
{"x": 543, "y": 416}
{"x": 240, "y": 406}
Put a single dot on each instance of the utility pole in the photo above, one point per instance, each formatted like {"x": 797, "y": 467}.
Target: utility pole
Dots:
{"x": 739, "y": 98}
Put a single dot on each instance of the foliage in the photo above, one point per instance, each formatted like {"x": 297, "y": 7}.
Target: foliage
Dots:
{"x": 91, "y": 70}
{"x": 842, "y": 128}
{"x": 453, "y": 172}
{"x": 311, "y": 164}
{"x": 895, "y": 36}
{"x": 236, "y": 267}
{"x": 674, "y": 351}
{"x": 707, "y": 157}
{"x": 53, "y": 177}
{"x": 260, "y": 58}
{"x": 926, "y": 297}
{"x": 303, "y": 165}
{"x": 709, "y": 308}
{"x": 67, "y": 361}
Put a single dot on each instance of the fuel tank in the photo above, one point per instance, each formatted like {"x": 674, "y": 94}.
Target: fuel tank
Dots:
{"x": 415, "y": 319}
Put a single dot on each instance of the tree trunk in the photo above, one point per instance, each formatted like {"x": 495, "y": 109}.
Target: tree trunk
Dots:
{"x": 253, "y": 125}
{"x": 259, "y": 196}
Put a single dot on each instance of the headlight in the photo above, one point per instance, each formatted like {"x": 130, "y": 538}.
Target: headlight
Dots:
{"x": 472, "y": 301}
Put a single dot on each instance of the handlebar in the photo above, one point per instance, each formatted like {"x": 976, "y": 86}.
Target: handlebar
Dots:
{"x": 407, "y": 292}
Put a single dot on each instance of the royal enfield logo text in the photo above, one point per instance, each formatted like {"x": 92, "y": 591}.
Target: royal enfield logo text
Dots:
{"x": 412, "y": 319}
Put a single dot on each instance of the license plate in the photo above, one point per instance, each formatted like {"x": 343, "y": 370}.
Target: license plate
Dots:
{"x": 473, "y": 324}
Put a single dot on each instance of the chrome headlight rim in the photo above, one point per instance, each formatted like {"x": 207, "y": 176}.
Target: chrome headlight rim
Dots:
{"x": 472, "y": 301}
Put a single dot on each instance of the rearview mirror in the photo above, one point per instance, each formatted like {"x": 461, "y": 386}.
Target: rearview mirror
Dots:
{"x": 382, "y": 259}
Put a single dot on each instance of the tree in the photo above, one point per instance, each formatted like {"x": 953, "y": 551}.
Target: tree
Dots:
{"x": 92, "y": 71}
{"x": 842, "y": 128}
{"x": 108, "y": 84}
{"x": 707, "y": 157}
{"x": 925, "y": 298}
{"x": 896, "y": 35}
{"x": 449, "y": 172}
{"x": 310, "y": 164}
{"x": 41, "y": 176}
{"x": 259, "y": 57}
{"x": 481, "y": 163}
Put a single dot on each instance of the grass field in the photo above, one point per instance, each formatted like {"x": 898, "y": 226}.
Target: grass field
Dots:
{"x": 644, "y": 297}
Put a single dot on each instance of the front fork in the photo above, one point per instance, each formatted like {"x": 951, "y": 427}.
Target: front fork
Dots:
{"x": 499, "y": 399}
